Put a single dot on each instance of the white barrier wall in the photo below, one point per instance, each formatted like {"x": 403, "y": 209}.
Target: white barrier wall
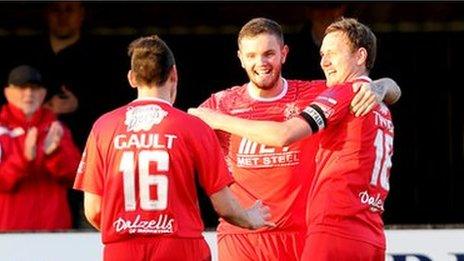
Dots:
{"x": 403, "y": 245}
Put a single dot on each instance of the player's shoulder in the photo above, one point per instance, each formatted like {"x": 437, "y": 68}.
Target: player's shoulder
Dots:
{"x": 229, "y": 98}
{"x": 305, "y": 84}
{"x": 109, "y": 119}
{"x": 306, "y": 89}
{"x": 188, "y": 126}
{"x": 383, "y": 109}
{"x": 342, "y": 88}
{"x": 192, "y": 123}
{"x": 229, "y": 93}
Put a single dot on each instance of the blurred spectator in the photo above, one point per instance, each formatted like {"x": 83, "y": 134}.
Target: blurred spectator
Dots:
{"x": 303, "y": 59}
{"x": 69, "y": 62}
{"x": 38, "y": 158}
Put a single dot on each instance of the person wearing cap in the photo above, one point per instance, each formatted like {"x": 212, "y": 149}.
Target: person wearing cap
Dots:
{"x": 38, "y": 158}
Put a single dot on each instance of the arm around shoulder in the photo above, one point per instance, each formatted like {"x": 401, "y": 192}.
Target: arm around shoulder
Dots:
{"x": 266, "y": 132}
{"x": 391, "y": 88}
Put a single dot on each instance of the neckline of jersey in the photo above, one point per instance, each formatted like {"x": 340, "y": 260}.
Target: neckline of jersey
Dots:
{"x": 270, "y": 99}
{"x": 152, "y": 99}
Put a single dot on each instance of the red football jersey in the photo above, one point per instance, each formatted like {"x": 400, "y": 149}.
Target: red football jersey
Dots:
{"x": 280, "y": 176}
{"x": 143, "y": 159}
{"x": 352, "y": 171}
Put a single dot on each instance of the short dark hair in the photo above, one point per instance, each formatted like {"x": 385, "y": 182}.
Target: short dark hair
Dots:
{"x": 259, "y": 26}
{"x": 359, "y": 35}
{"x": 151, "y": 60}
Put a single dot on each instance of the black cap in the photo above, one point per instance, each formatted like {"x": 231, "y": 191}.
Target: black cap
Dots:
{"x": 23, "y": 75}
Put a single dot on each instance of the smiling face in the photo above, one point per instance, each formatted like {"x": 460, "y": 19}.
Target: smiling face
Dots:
{"x": 262, "y": 57}
{"x": 26, "y": 98}
{"x": 339, "y": 61}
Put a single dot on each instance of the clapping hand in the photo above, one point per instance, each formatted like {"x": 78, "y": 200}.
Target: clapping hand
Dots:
{"x": 53, "y": 138}
{"x": 30, "y": 144}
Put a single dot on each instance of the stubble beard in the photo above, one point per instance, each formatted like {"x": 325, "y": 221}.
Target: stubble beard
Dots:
{"x": 263, "y": 86}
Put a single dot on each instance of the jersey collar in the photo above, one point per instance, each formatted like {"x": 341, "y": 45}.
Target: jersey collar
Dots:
{"x": 152, "y": 99}
{"x": 270, "y": 99}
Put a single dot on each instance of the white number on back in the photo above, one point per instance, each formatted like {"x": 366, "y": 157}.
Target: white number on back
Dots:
{"x": 383, "y": 151}
{"x": 146, "y": 179}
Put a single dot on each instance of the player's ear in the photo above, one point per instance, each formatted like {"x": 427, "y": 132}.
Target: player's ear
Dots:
{"x": 285, "y": 50}
{"x": 361, "y": 56}
{"x": 6, "y": 92}
{"x": 131, "y": 79}
{"x": 172, "y": 79}
{"x": 239, "y": 55}
{"x": 173, "y": 75}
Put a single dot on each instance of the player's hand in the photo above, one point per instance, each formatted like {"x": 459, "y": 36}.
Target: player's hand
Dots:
{"x": 365, "y": 98}
{"x": 30, "y": 144}
{"x": 209, "y": 116}
{"x": 53, "y": 138}
{"x": 63, "y": 103}
{"x": 259, "y": 215}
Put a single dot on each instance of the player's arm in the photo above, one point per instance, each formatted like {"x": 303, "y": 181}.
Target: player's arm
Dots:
{"x": 92, "y": 209}
{"x": 266, "y": 132}
{"x": 369, "y": 94}
{"x": 228, "y": 208}
{"x": 391, "y": 89}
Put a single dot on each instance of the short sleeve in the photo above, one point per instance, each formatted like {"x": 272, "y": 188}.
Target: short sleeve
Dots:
{"x": 329, "y": 107}
{"x": 90, "y": 172}
{"x": 210, "y": 162}
{"x": 210, "y": 103}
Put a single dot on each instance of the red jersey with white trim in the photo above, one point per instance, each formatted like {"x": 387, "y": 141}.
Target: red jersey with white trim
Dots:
{"x": 143, "y": 160}
{"x": 352, "y": 171}
{"x": 280, "y": 176}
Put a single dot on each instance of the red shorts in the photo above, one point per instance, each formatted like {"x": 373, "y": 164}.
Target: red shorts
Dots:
{"x": 327, "y": 247}
{"x": 260, "y": 246}
{"x": 182, "y": 249}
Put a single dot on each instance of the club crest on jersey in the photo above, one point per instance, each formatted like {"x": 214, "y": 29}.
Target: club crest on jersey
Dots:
{"x": 291, "y": 110}
{"x": 144, "y": 117}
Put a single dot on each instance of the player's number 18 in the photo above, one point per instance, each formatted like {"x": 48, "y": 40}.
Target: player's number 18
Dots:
{"x": 383, "y": 152}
